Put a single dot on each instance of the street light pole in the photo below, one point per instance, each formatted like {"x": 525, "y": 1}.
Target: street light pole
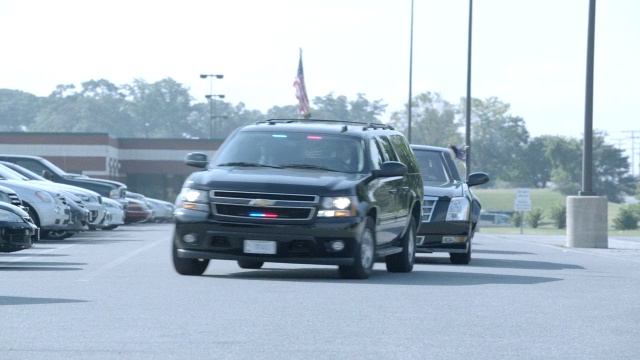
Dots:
{"x": 212, "y": 113}
{"x": 210, "y": 98}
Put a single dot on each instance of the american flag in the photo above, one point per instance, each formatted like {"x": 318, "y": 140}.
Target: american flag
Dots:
{"x": 301, "y": 92}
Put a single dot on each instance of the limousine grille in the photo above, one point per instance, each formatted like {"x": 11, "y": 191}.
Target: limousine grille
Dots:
{"x": 428, "y": 205}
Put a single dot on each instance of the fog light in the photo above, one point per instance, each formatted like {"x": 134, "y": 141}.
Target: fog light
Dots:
{"x": 337, "y": 245}
{"x": 453, "y": 239}
{"x": 190, "y": 238}
{"x": 419, "y": 240}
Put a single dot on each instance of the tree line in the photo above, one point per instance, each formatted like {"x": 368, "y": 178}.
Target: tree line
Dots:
{"x": 500, "y": 142}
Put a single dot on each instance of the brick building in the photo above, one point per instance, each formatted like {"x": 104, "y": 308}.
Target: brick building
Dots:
{"x": 153, "y": 167}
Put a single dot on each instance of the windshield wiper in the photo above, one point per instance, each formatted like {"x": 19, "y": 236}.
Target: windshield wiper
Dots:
{"x": 248, "y": 164}
{"x": 307, "y": 166}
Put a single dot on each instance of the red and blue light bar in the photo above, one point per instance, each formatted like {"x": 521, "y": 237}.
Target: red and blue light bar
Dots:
{"x": 263, "y": 215}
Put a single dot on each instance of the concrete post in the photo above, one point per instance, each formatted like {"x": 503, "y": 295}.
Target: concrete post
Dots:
{"x": 587, "y": 224}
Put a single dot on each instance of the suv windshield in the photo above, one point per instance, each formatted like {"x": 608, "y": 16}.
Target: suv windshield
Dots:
{"x": 293, "y": 150}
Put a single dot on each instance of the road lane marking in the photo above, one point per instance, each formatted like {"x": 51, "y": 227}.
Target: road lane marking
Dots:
{"x": 119, "y": 261}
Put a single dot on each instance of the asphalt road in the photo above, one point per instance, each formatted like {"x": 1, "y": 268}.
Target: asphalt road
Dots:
{"x": 115, "y": 295}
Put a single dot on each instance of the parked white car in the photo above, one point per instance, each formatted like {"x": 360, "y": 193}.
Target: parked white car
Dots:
{"x": 91, "y": 200}
{"x": 115, "y": 214}
{"x": 47, "y": 208}
{"x": 162, "y": 210}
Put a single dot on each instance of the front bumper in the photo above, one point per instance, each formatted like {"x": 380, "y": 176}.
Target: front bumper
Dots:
{"x": 450, "y": 236}
{"x": 294, "y": 243}
{"x": 17, "y": 236}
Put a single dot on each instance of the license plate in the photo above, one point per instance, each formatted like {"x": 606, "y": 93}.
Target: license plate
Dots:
{"x": 259, "y": 247}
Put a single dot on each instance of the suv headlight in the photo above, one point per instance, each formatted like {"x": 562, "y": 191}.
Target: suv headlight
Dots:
{"x": 8, "y": 216}
{"x": 193, "y": 199}
{"x": 337, "y": 206}
{"x": 458, "y": 209}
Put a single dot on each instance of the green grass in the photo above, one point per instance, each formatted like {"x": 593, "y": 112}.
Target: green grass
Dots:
{"x": 503, "y": 200}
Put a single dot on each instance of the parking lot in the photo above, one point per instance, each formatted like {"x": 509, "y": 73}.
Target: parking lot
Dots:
{"x": 114, "y": 295}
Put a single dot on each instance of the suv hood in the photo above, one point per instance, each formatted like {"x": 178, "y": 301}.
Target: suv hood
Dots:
{"x": 450, "y": 189}
{"x": 295, "y": 181}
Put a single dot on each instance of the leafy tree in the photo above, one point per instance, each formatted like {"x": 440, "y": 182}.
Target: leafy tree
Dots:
{"x": 97, "y": 107}
{"x": 433, "y": 121}
{"x": 498, "y": 139}
{"x": 340, "y": 108}
{"x": 60, "y": 111}
{"x": 18, "y": 110}
{"x": 533, "y": 168}
{"x": 159, "y": 109}
{"x": 239, "y": 116}
{"x": 283, "y": 112}
{"x": 609, "y": 167}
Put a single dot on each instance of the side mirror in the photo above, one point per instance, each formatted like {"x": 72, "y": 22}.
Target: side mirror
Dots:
{"x": 196, "y": 159}
{"x": 391, "y": 168}
{"x": 478, "y": 178}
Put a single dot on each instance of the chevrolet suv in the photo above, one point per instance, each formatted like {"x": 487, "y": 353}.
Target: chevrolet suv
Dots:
{"x": 302, "y": 191}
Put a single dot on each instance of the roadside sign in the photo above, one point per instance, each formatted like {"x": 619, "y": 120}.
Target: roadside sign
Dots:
{"x": 523, "y": 200}
{"x": 523, "y": 193}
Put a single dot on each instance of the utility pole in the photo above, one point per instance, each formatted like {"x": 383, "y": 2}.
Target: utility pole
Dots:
{"x": 633, "y": 149}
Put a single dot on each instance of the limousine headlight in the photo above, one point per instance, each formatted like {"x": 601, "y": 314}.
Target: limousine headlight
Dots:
{"x": 458, "y": 209}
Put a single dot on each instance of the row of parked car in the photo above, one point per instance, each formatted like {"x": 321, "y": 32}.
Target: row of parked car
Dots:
{"x": 57, "y": 205}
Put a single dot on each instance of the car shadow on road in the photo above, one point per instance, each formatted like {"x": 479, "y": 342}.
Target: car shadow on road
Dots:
{"x": 499, "y": 263}
{"x": 382, "y": 277}
{"x": 501, "y": 252}
{"x": 40, "y": 266}
{"x": 19, "y": 300}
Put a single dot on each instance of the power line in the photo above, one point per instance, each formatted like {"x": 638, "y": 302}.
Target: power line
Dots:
{"x": 633, "y": 149}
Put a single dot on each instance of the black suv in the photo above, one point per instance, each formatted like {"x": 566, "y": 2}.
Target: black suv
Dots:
{"x": 302, "y": 191}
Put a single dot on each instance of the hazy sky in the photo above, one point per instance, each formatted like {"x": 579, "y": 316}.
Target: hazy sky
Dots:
{"x": 529, "y": 53}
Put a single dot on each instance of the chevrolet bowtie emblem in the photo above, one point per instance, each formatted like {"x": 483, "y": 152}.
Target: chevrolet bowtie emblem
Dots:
{"x": 262, "y": 202}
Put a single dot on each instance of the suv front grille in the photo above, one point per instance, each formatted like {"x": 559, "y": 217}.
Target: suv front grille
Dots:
{"x": 263, "y": 206}
{"x": 428, "y": 204}
{"x": 269, "y": 196}
{"x": 273, "y": 212}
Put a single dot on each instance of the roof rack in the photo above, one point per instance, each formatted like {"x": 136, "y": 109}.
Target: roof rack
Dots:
{"x": 369, "y": 125}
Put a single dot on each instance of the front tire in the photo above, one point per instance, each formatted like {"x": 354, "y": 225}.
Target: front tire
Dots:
{"x": 364, "y": 255}
{"x": 56, "y": 235}
{"x": 461, "y": 258}
{"x": 189, "y": 267}
{"x": 246, "y": 264}
{"x": 404, "y": 260}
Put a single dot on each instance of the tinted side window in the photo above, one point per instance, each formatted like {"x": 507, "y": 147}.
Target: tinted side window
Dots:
{"x": 34, "y": 166}
{"x": 387, "y": 149}
{"x": 376, "y": 154}
{"x": 404, "y": 152}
